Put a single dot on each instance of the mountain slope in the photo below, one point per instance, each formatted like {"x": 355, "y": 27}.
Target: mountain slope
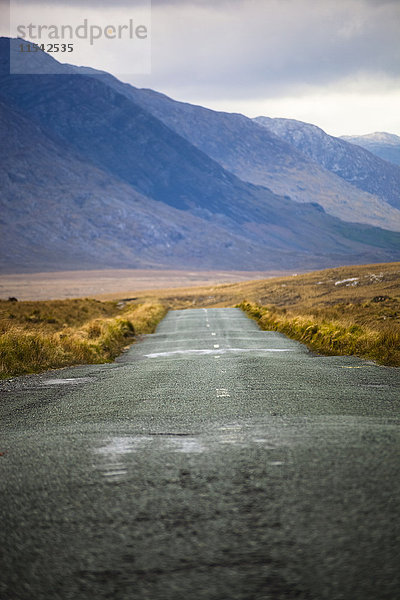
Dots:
{"x": 384, "y": 145}
{"x": 58, "y": 211}
{"x": 263, "y": 158}
{"x": 109, "y": 184}
{"x": 356, "y": 165}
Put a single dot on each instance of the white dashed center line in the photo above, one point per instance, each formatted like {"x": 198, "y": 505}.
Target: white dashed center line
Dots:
{"x": 222, "y": 393}
{"x": 216, "y": 345}
{"x": 213, "y": 333}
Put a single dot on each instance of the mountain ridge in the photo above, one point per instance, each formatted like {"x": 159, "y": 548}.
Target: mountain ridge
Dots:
{"x": 267, "y": 160}
{"x": 262, "y": 158}
{"x": 113, "y": 185}
{"x": 352, "y": 163}
{"x": 382, "y": 144}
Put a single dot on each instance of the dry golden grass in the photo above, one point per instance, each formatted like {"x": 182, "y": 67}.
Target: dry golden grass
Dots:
{"x": 331, "y": 333}
{"x": 309, "y": 290}
{"x": 36, "y": 336}
{"x": 53, "y": 315}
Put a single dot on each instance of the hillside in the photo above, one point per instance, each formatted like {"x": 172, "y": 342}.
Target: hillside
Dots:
{"x": 355, "y": 165}
{"x": 59, "y": 211}
{"x": 356, "y": 285}
{"x": 259, "y": 156}
{"x": 382, "y": 144}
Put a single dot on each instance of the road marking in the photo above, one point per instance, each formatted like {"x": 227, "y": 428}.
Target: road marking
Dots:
{"x": 208, "y": 325}
{"x": 69, "y": 381}
{"x": 213, "y": 333}
{"x": 116, "y": 472}
{"x": 210, "y": 351}
{"x": 216, "y": 345}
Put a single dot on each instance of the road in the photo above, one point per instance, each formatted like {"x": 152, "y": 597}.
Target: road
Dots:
{"x": 211, "y": 461}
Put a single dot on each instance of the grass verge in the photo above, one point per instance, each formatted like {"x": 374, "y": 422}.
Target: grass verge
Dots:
{"x": 36, "y": 336}
{"x": 332, "y": 330}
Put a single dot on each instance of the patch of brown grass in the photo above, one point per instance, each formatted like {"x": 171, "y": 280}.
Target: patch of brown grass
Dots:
{"x": 314, "y": 290}
{"x": 54, "y": 334}
{"x": 331, "y": 332}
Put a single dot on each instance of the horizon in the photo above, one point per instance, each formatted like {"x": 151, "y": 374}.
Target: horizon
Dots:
{"x": 294, "y": 60}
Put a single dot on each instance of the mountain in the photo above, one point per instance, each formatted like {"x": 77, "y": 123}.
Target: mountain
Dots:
{"x": 384, "y": 145}
{"x": 257, "y": 155}
{"x": 57, "y": 210}
{"x": 90, "y": 178}
{"x": 352, "y": 163}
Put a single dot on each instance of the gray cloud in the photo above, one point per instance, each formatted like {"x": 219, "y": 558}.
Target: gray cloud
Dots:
{"x": 214, "y": 4}
{"x": 130, "y": 3}
{"x": 266, "y": 48}
{"x": 273, "y": 47}
{"x": 209, "y": 3}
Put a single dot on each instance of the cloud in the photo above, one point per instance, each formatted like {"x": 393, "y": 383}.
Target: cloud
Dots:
{"x": 273, "y": 47}
{"x": 250, "y": 53}
{"x": 258, "y": 48}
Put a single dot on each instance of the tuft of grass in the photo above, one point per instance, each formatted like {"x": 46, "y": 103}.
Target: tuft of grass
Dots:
{"x": 331, "y": 331}
{"x": 38, "y": 343}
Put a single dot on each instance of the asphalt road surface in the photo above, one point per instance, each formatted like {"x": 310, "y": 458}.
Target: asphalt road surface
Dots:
{"x": 211, "y": 461}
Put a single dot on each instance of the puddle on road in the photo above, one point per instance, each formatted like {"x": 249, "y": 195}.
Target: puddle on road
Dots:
{"x": 231, "y": 434}
{"x": 122, "y": 445}
{"x": 115, "y": 471}
{"x": 116, "y": 456}
{"x": 187, "y": 446}
{"x": 111, "y": 456}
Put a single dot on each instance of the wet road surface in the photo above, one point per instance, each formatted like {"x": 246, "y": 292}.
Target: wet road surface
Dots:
{"x": 211, "y": 461}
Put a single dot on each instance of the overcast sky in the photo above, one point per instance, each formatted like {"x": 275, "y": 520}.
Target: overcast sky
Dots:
{"x": 335, "y": 63}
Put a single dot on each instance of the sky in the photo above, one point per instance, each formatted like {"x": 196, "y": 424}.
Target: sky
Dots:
{"x": 334, "y": 63}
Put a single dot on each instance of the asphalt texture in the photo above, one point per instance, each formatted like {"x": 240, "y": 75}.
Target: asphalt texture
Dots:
{"x": 211, "y": 461}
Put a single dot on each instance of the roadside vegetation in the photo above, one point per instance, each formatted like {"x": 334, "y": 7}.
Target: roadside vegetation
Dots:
{"x": 352, "y": 310}
{"x": 36, "y": 336}
{"x": 340, "y": 329}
